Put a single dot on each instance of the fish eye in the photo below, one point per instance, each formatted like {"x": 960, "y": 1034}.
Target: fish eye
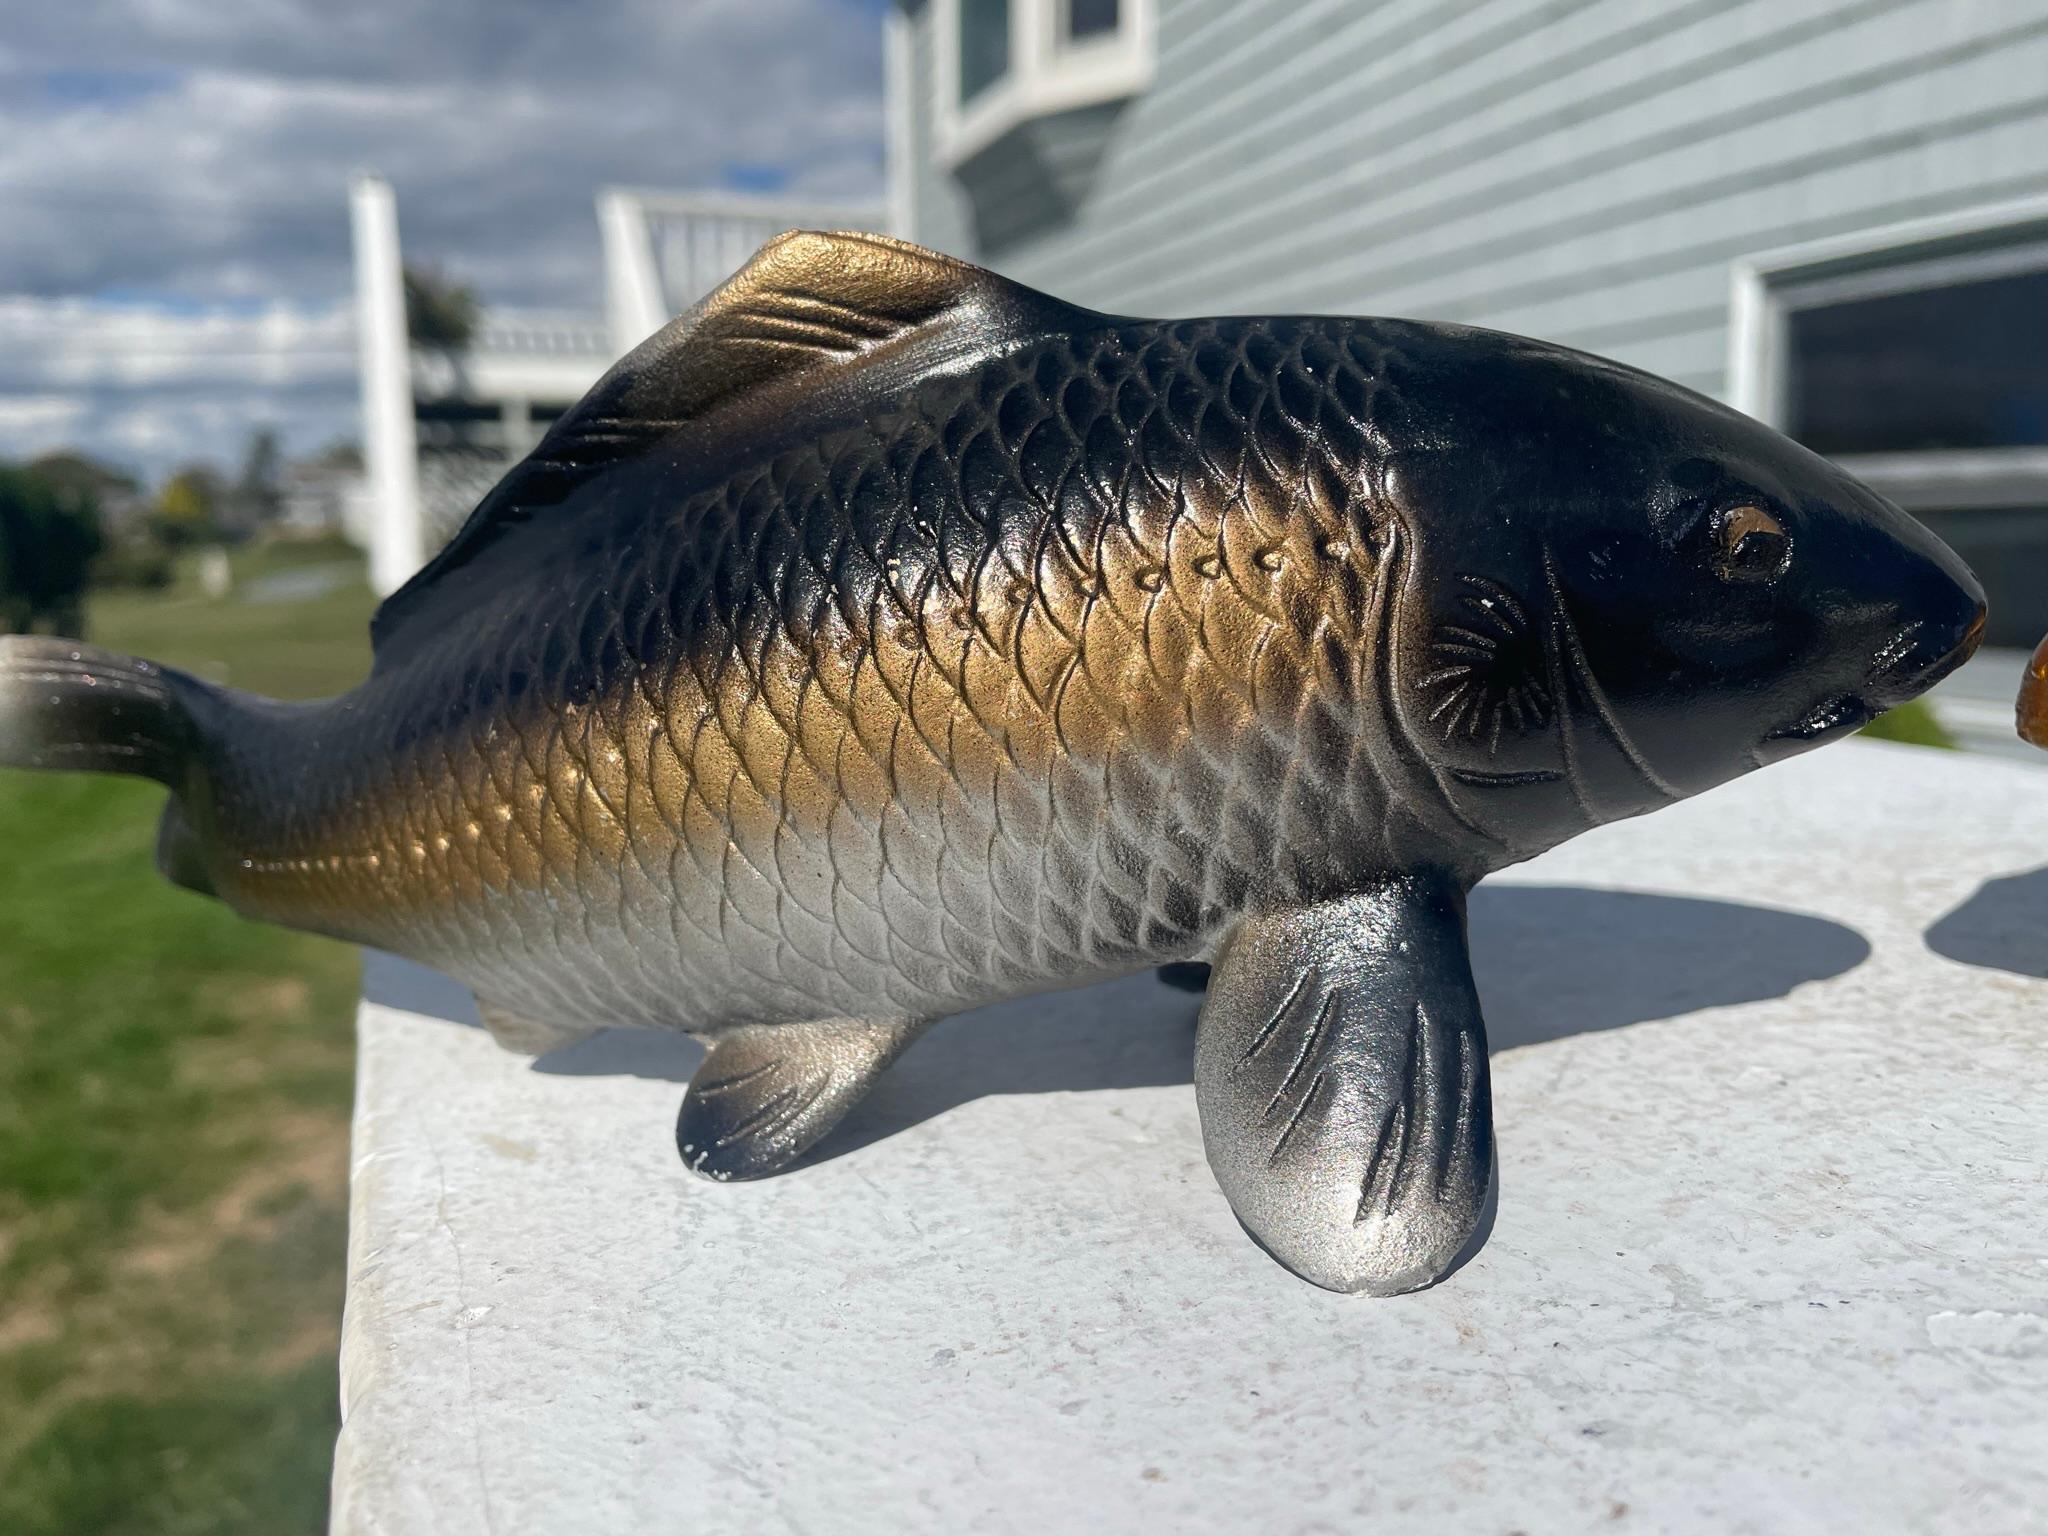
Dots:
{"x": 1750, "y": 545}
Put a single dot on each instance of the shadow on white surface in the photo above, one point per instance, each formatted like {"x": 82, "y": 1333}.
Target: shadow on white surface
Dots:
{"x": 2002, "y": 927}
{"x": 1558, "y": 960}
{"x": 1550, "y": 961}
{"x": 391, "y": 982}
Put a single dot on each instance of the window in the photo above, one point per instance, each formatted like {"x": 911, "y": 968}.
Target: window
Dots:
{"x": 1917, "y": 357}
{"x": 984, "y": 45}
{"x": 1002, "y": 63}
{"x": 1949, "y": 367}
{"x": 1090, "y": 18}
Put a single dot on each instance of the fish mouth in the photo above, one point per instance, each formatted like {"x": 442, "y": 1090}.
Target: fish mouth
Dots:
{"x": 1912, "y": 661}
{"x": 1904, "y": 668}
{"x": 1830, "y": 719}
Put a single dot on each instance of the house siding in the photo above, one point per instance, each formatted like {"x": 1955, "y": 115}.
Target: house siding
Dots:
{"x": 1580, "y": 170}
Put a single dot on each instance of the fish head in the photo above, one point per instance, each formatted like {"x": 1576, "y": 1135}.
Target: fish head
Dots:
{"x": 1621, "y": 593}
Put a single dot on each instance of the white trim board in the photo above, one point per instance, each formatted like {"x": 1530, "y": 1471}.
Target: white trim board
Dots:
{"x": 1985, "y": 241}
{"x": 1045, "y": 75}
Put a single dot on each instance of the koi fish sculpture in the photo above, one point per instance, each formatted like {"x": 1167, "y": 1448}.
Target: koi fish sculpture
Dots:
{"x": 885, "y": 638}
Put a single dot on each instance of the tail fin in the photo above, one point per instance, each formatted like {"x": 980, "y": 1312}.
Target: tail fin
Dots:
{"x": 67, "y": 705}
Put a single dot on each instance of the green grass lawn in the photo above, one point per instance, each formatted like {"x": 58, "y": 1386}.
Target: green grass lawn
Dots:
{"x": 1912, "y": 723}
{"x": 174, "y": 1095}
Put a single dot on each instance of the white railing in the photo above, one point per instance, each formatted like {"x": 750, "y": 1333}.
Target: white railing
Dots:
{"x": 520, "y": 359}
{"x": 543, "y": 332}
{"x": 665, "y": 250}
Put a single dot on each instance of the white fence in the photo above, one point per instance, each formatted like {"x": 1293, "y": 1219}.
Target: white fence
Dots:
{"x": 663, "y": 251}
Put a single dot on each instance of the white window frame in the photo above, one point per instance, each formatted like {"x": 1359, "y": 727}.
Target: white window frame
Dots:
{"x": 1046, "y": 74}
{"x": 1992, "y": 241}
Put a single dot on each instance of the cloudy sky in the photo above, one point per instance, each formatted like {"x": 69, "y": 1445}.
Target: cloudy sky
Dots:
{"x": 174, "y": 250}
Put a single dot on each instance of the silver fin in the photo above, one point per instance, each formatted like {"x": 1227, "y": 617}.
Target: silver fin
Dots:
{"x": 529, "y": 1037}
{"x": 1340, "y": 1067}
{"x": 767, "y": 1092}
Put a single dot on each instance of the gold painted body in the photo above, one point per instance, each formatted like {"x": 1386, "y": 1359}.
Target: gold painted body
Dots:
{"x": 978, "y": 756}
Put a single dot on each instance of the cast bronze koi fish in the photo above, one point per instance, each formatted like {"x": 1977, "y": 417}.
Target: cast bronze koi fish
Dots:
{"x": 884, "y": 638}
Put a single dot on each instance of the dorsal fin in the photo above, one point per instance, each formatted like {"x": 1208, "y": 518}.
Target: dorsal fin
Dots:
{"x": 814, "y": 319}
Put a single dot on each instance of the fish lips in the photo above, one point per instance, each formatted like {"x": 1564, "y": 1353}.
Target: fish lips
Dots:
{"x": 1832, "y": 718}
{"x": 1903, "y": 669}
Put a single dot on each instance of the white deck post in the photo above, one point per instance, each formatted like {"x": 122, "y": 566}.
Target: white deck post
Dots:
{"x": 390, "y": 452}
{"x": 633, "y": 301}
{"x": 899, "y": 88}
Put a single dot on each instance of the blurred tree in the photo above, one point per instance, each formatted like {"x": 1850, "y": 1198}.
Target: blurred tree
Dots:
{"x": 259, "y": 493}
{"x": 49, "y": 536}
{"x": 344, "y": 453}
{"x": 105, "y": 485}
{"x": 441, "y": 316}
{"x": 188, "y": 506}
{"x": 130, "y": 553}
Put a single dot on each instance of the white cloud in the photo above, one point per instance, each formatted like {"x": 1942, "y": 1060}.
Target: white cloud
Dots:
{"x": 76, "y": 342}
{"x": 173, "y": 175}
{"x": 155, "y": 384}
{"x": 37, "y": 423}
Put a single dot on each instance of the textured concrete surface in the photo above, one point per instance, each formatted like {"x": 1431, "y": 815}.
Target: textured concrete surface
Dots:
{"x": 1771, "y": 1071}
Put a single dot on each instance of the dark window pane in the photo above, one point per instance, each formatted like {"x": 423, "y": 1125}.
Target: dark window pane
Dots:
{"x": 1090, "y": 18}
{"x": 1964, "y": 366}
{"x": 984, "y": 45}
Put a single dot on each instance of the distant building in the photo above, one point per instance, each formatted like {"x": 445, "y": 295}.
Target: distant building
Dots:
{"x": 318, "y": 496}
{"x": 1833, "y": 214}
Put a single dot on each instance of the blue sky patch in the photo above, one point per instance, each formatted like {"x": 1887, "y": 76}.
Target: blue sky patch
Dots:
{"x": 78, "y": 88}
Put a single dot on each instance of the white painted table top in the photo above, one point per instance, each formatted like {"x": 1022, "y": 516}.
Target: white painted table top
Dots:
{"x": 1771, "y": 1253}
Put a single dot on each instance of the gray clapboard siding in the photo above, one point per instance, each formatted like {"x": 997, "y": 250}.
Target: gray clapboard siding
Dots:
{"x": 1584, "y": 170}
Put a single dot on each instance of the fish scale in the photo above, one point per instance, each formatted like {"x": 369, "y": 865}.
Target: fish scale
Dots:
{"x": 833, "y": 786}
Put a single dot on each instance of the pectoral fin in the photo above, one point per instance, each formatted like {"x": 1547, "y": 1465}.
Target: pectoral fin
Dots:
{"x": 1340, "y": 1067}
{"x": 767, "y": 1092}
